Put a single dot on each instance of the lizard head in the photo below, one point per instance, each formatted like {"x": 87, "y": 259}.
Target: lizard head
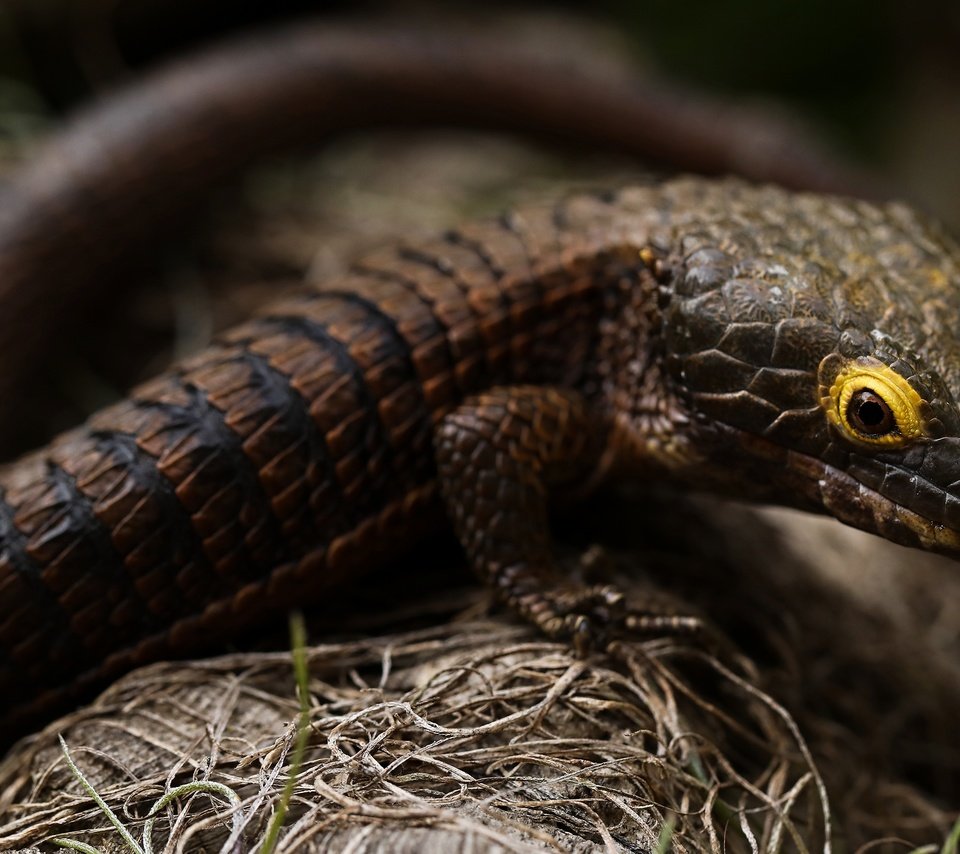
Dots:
{"x": 815, "y": 342}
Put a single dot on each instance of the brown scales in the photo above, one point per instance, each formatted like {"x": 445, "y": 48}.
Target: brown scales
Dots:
{"x": 279, "y": 459}
{"x": 484, "y": 371}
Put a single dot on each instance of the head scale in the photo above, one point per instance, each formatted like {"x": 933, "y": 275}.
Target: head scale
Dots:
{"x": 813, "y": 342}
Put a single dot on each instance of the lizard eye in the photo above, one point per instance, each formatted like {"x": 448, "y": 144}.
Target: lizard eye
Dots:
{"x": 869, "y": 414}
{"x": 871, "y": 404}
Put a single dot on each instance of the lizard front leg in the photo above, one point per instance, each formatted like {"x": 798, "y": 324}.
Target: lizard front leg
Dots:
{"x": 498, "y": 455}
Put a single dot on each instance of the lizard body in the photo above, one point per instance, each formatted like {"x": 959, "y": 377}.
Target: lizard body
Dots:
{"x": 107, "y": 190}
{"x": 778, "y": 346}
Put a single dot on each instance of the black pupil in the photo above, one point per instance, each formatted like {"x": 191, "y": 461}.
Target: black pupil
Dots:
{"x": 870, "y": 414}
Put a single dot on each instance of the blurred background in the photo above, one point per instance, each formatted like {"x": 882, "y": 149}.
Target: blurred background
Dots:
{"x": 880, "y": 77}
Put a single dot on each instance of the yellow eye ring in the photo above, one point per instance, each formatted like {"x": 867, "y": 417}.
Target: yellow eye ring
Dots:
{"x": 872, "y": 405}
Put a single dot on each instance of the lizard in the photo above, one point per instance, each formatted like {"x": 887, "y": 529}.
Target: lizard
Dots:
{"x": 780, "y": 346}
{"x": 90, "y": 207}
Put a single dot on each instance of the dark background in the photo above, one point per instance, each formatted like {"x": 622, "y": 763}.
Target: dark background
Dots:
{"x": 882, "y": 78}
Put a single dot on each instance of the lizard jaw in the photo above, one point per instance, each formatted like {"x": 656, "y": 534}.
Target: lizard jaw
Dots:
{"x": 852, "y": 502}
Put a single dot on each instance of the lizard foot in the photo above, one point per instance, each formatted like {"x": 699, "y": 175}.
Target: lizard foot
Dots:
{"x": 591, "y": 617}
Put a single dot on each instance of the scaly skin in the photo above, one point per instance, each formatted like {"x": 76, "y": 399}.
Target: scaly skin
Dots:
{"x": 105, "y": 191}
{"x": 684, "y": 332}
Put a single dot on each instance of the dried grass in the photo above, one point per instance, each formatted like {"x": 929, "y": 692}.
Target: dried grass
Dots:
{"x": 481, "y": 731}
{"x": 477, "y": 734}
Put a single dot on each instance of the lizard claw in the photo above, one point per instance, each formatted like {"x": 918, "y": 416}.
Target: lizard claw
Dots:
{"x": 593, "y": 617}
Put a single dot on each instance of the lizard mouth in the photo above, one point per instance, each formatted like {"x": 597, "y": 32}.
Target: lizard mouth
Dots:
{"x": 814, "y": 483}
{"x": 854, "y": 503}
